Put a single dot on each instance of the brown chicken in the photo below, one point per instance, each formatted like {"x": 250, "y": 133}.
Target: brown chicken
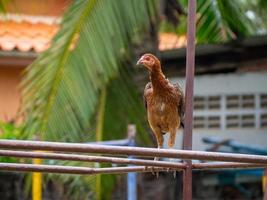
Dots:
{"x": 164, "y": 102}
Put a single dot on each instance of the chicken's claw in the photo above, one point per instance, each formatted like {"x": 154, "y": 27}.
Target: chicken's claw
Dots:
{"x": 153, "y": 172}
{"x": 174, "y": 171}
{"x": 174, "y": 174}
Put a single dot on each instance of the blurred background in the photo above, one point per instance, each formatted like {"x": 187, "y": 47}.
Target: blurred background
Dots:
{"x": 67, "y": 73}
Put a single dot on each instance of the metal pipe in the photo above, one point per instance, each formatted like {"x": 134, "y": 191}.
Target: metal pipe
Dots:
{"x": 190, "y": 71}
{"x": 226, "y": 165}
{"x": 265, "y": 189}
{"x": 86, "y": 158}
{"x": 138, "y": 151}
{"x": 189, "y": 92}
{"x": 131, "y": 177}
{"x": 75, "y": 170}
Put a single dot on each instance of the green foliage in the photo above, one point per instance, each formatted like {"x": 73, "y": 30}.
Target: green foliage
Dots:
{"x": 61, "y": 88}
{"x": 223, "y": 20}
{"x": 3, "y": 5}
{"x": 8, "y": 130}
{"x": 78, "y": 187}
{"x": 64, "y": 83}
{"x": 125, "y": 105}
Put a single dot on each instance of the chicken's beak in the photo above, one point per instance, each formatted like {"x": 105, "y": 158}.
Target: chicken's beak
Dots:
{"x": 139, "y": 62}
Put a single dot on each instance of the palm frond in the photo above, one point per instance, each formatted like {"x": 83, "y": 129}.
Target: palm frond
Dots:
{"x": 3, "y": 5}
{"x": 234, "y": 15}
{"x": 221, "y": 20}
{"x": 125, "y": 105}
{"x": 262, "y": 4}
{"x": 61, "y": 88}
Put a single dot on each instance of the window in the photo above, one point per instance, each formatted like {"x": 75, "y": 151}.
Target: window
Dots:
{"x": 264, "y": 120}
{"x": 248, "y": 121}
{"x": 214, "y": 102}
{"x": 232, "y": 121}
{"x": 207, "y": 122}
{"x": 263, "y": 99}
{"x": 232, "y": 101}
{"x": 248, "y": 101}
{"x": 213, "y": 122}
{"x": 199, "y": 122}
{"x": 230, "y": 111}
{"x": 199, "y": 103}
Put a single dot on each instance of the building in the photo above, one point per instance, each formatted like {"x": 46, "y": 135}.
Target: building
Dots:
{"x": 230, "y": 90}
{"x": 25, "y": 31}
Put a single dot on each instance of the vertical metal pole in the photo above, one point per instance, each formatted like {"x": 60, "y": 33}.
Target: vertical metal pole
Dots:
{"x": 190, "y": 70}
{"x": 265, "y": 185}
{"x": 131, "y": 177}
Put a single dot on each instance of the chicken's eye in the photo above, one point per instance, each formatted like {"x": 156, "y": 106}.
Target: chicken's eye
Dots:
{"x": 147, "y": 58}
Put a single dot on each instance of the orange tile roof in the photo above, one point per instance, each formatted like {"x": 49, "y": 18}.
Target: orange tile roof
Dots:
{"x": 33, "y": 33}
{"x": 169, "y": 41}
{"x": 26, "y": 33}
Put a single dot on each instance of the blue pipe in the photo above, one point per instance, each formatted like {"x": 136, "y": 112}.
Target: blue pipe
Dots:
{"x": 131, "y": 179}
{"x": 238, "y": 147}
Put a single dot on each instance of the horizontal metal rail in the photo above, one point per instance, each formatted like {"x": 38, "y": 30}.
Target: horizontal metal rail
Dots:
{"x": 138, "y": 151}
{"x": 116, "y": 160}
{"x": 115, "y": 170}
{"x": 226, "y": 165}
{"x": 86, "y": 158}
{"x": 75, "y": 170}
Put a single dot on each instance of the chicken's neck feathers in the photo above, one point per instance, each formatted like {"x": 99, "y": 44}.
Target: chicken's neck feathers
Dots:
{"x": 158, "y": 80}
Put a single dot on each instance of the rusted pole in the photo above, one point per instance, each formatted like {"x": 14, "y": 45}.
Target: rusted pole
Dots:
{"x": 117, "y": 160}
{"x": 137, "y": 151}
{"x": 226, "y": 165}
{"x": 86, "y": 158}
{"x": 189, "y": 91}
{"x": 265, "y": 189}
{"x": 76, "y": 170}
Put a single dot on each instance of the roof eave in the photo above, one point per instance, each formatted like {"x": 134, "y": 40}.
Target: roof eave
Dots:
{"x": 16, "y": 58}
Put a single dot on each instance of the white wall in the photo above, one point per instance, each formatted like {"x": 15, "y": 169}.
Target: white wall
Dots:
{"x": 227, "y": 84}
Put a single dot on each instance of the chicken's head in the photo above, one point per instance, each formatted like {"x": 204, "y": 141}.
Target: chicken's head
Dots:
{"x": 150, "y": 61}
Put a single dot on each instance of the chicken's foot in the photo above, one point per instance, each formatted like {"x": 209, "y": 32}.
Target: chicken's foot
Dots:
{"x": 174, "y": 171}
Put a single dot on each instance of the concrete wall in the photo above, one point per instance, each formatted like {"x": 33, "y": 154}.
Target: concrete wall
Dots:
{"x": 9, "y": 92}
{"x": 228, "y": 84}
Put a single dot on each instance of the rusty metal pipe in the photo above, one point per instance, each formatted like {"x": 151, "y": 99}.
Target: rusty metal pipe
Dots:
{"x": 86, "y": 158}
{"x": 76, "y": 170}
{"x": 189, "y": 94}
{"x": 138, "y": 151}
{"x": 226, "y": 165}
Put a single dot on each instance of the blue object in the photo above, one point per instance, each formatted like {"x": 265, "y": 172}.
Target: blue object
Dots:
{"x": 131, "y": 179}
{"x": 228, "y": 176}
{"x": 236, "y": 147}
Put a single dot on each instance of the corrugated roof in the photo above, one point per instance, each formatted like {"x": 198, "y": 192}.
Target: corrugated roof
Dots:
{"x": 26, "y": 33}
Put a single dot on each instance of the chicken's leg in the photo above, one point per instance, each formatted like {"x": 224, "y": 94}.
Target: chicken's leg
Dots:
{"x": 171, "y": 143}
{"x": 159, "y": 138}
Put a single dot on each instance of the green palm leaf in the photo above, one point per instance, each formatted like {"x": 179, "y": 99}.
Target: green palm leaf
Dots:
{"x": 222, "y": 20}
{"x": 3, "y": 5}
{"x": 61, "y": 88}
